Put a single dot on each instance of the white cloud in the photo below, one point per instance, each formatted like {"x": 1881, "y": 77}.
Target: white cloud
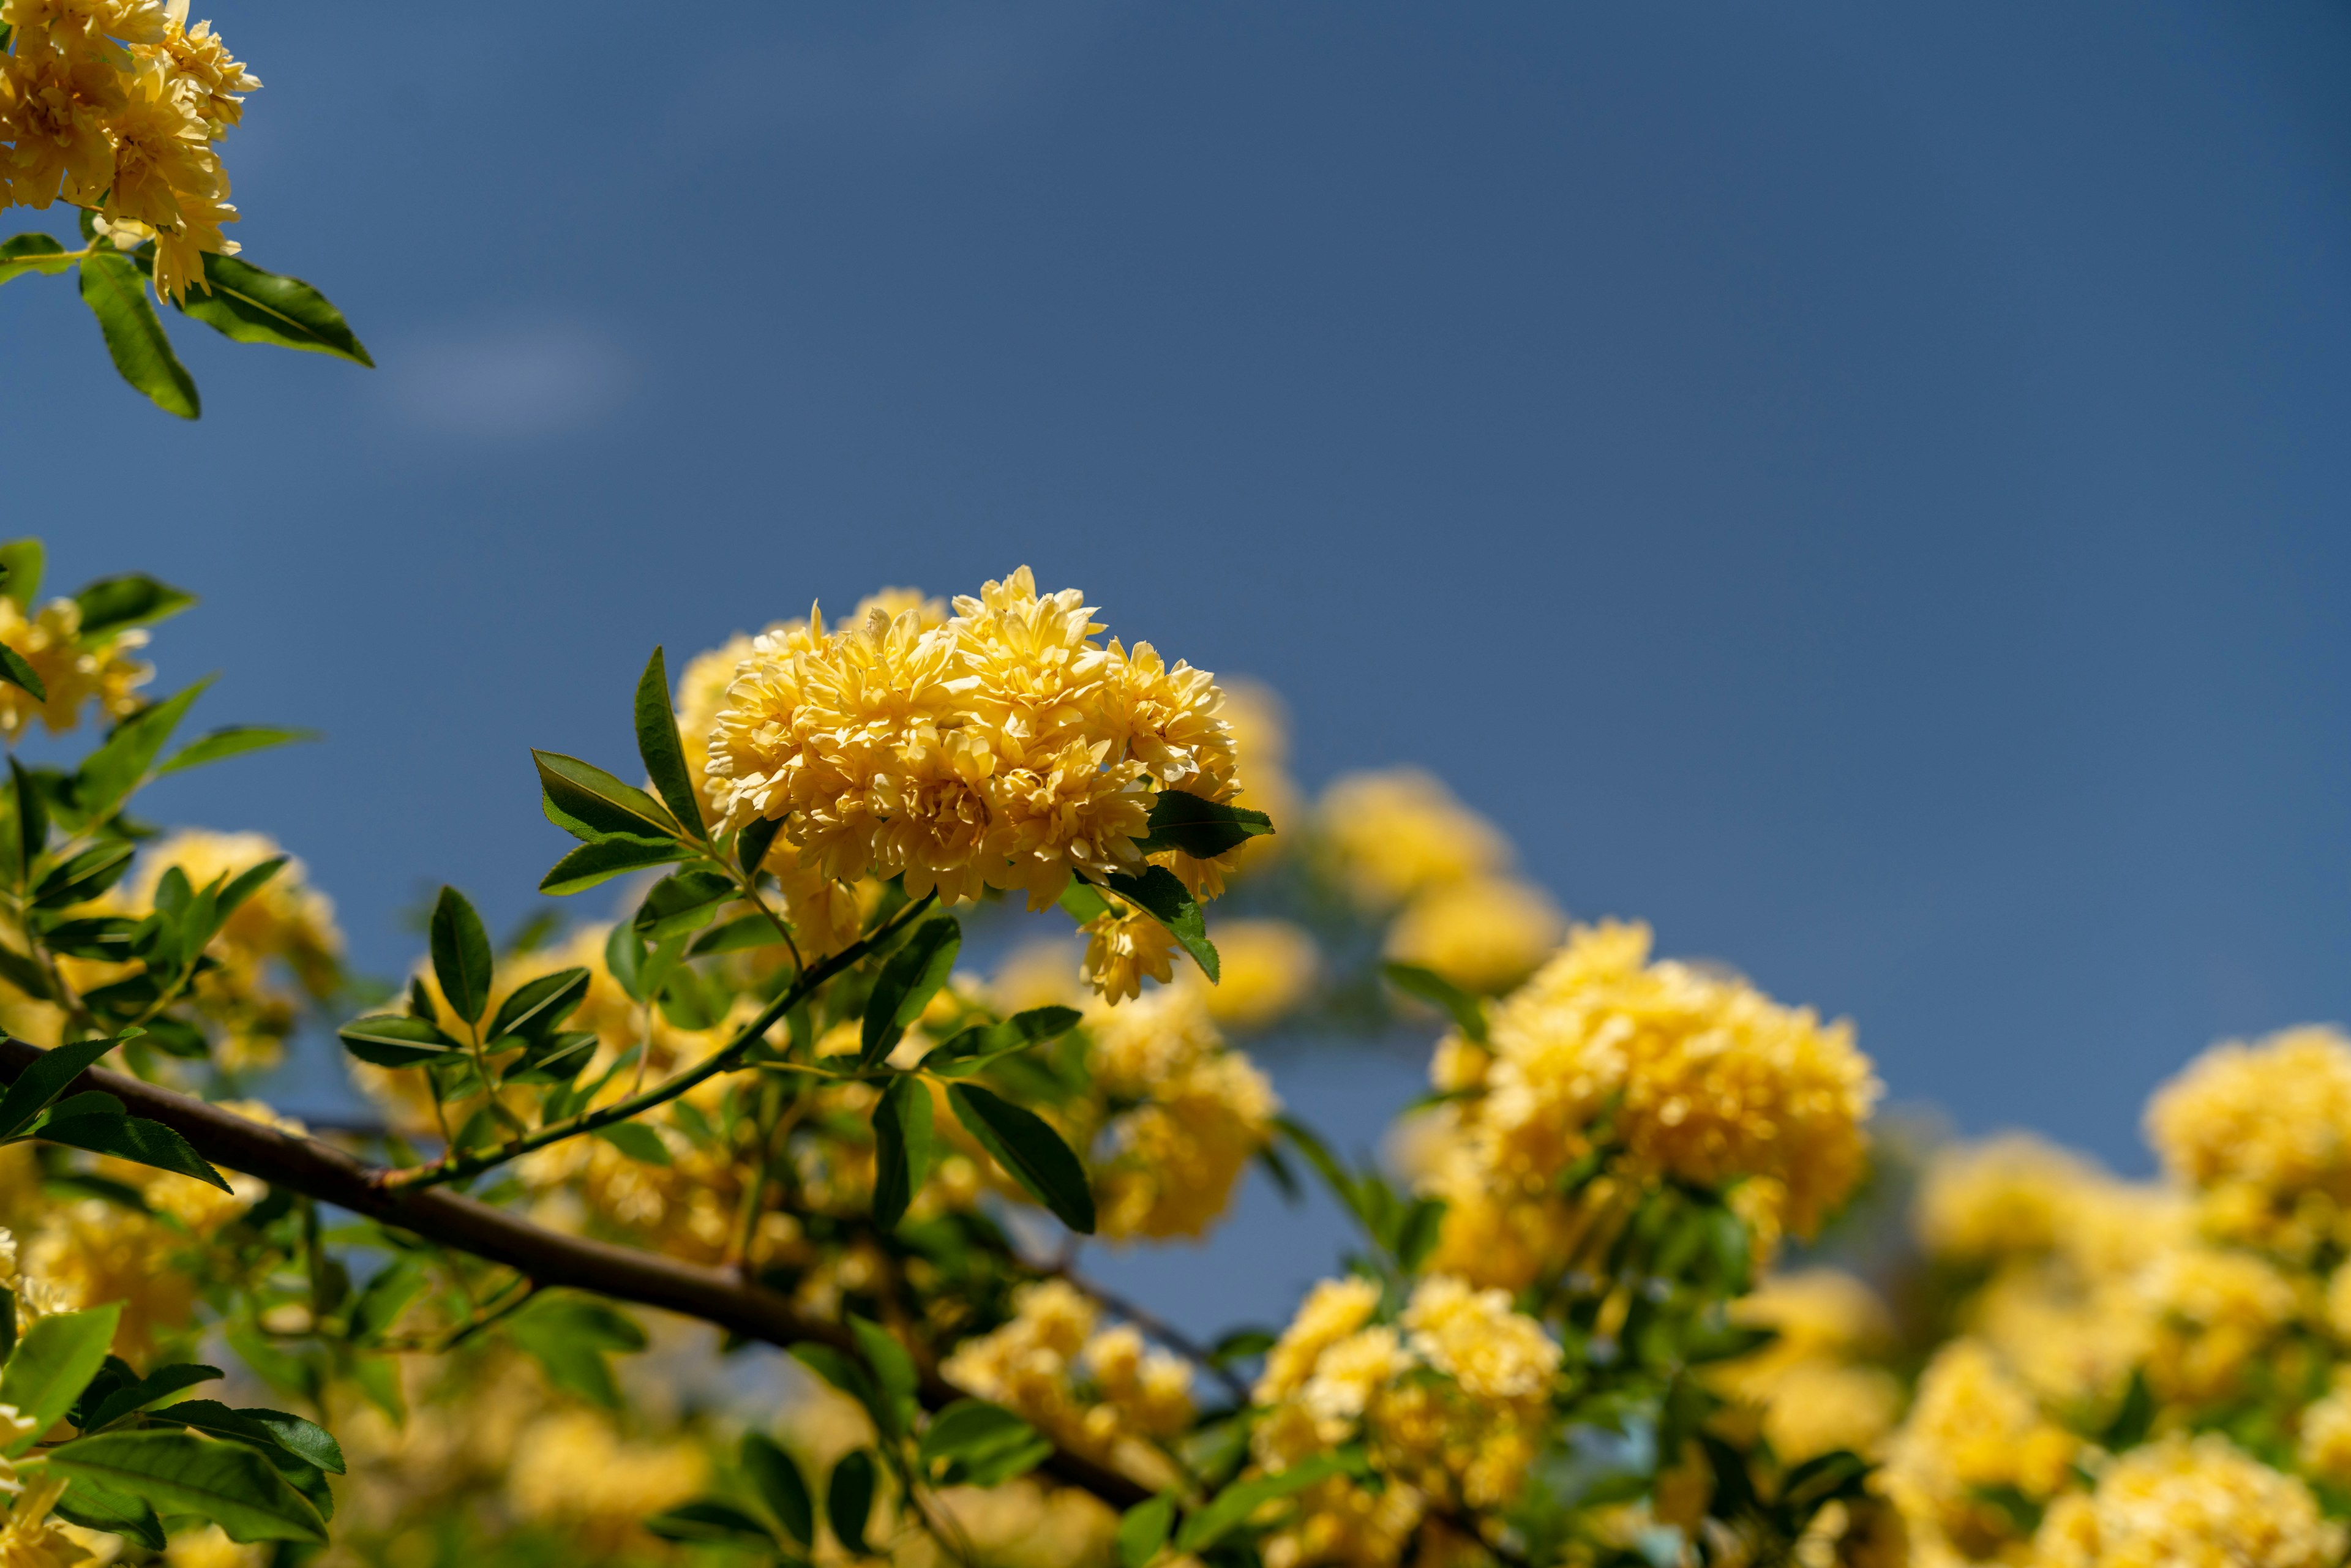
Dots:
{"x": 504, "y": 384}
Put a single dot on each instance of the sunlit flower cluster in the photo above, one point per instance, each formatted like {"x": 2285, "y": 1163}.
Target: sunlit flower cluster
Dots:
{"x": 2263, "y": 1130}
{"x": 78, "y": 672}
{"x": 1815, "y": 1388}
{"x": 1168, "y": 1166}
{"x": 557, "y": 1456}
{"x": 114, "y": 105}
{"x": 2183, "y": 1503}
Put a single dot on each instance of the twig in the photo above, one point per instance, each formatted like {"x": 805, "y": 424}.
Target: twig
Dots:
{"x": 719, "y": 1296}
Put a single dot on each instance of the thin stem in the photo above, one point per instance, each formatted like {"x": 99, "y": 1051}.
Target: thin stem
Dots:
{"x": 726, "y": 1060}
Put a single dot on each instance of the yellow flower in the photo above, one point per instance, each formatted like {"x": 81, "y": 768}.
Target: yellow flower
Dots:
{"x": 201, "y": 61}
{"x": 2186, "y": 1504}
{"x": 1397, "y": 832}
{"x": 1476, "y": 1339}
{"x": 211, "y": 1548}
{"x": 2326, "y": 1438}
{"x": 1123, "y": 948}
{"x": 2215, "y": 1311}
{"x": 1268, "y": 967}
{"x": 91, "y": 30}
{"x": 29, "y": 1539}
{"x": 2274, "y": 1115}
{"x": 2006, "y": 1196}
{"x": 56, "y": 116}
{"x": 1973, "y": 1429}
{"x": 1486, "y": 934}
{"x": 91, "y": 1253}
{"x": 75, "y": 670}
{"x": 1332, "y": 1310}
{"x": 1171, "y": 1162}
{"x": 1032, "y": 1365}
{"x": 168, "y": 180}
{"x": 573, "y": 1470}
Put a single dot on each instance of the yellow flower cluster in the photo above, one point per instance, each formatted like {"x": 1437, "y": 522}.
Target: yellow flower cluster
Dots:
{"x": 1974, "y": 1433}
{"x": 1004, "y": 748}
{"x": 572, "y": 1470}
{"x": 1698, "y": 1076}
{"x": 1268, "y": 969}
{"x": 1102, "y": 1391}
{"x": 2263, "y": 1132}
{"x": 1451, "y": 1398}
{"x": 30, "y": 1538}
{"x": 115, "y": 105}
{"x": 1168, "y": 1166}
{"x": 1399, "y": 841}
{"x": 2184, "y": 1503}
{"x": 1814, "y": 1389}
{"x": 75, "y": 670}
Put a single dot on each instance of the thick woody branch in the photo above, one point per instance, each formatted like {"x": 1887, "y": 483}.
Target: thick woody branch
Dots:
{"x": 547, "y": 1258}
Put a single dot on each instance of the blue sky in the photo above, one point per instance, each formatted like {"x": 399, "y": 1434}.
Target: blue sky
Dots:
{"x": 1863, "y": 487}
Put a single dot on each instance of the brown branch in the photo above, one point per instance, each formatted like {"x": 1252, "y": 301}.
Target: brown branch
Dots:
{"x": 547, "y": 1257}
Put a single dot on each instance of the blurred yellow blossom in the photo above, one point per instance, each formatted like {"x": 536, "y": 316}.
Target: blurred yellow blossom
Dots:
{"x": 574, "y": 1470}
{"x": 76, "y": 672}
{"x": 2185, "y": 1502}
{"x": 1973, "y": 1430}
{"x": 1394, "y": 833}
{"x": 1484, "y": 935}
{"x": 1269, "y": 968}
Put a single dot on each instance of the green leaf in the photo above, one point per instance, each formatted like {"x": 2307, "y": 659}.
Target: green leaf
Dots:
{"x": 782, "y": 1491}
{"x": 1234, "y": 1505}
{"x": 709, "y": 1520}
{"x": 46, "y": 1079}
{"x": 32, "y": 836}
{"x": 894, "y": 1369}
{"x": 539, "y": 1005}
{"x": 22, "y": 560}
{"x": 134, "y": 598}
{"x": 1029, "y": 1150}
{"x": 743, "y": 933}
{"x": 386, "y": 1295}
{"x": 606, "y": 856}
{"x": 1161, "y": 896}
{"x": 681, "y": 904}
{"x": 108, "y": 775}
{"x": 973, "y": 1443}
{"x": 234, "y": 741}
{"x": 1468, "y": 1012}
{"x": 160, "y": 1383}
{"x": 595, "y": 799}
{"x": 302, "y": 1442}
{"x": 1144, "y": 1532}
{"x": 95, "y": 1507}
{"x": 54, "y": 1362}
{"x": 569, "y": 1336}
{"x": 908, "y": 982}
{"x": 85, "y": 876}
{"x": 849, "y": 1500}
{"x": 233, "y": 1485}
{"x": 902, "y": 1148}
{"x": 133, "y": 1138}
{"x": 461, "y": 956}
{"x": 974, "y": 1048}
{"x": 637, "y": 1141}
{"x": 395, "y": 1040}
{"x": 663, "y": 752}
{"x": 116, "y": 296}
{"x": 757, "y": 838}
{"x": 17, "y": 671}
{"x": 845, "y": 1374}
{"x": 251, "y": 305}
{"x": 25, "y": 253}
{"x": 1201, "y": 828}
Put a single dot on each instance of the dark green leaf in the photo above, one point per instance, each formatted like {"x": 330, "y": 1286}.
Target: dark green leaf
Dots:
{"x": 160, "y": 1383}
{"x": 133, "y": 598}
{"x": 32, "y": 820}
{"x": 46, "y": 1079}
{"x": 663, "y": 752}
{"x": 54, "y": 1362}
{"x": 849, "y": 1500}
{"x": 973, "y": 1443}
{"x": 1158, "y": 894}
{"x": 570, "y": 1337}
{"x": 93, "y": 1506}
{"x": 133, "y": 1138}
{"x": 393, "y": 1039}
{"x": 1241, "y": 1344}
{"x": 743, "y": 933}
{"x": 893, "y": 1368}
{"x": 1468, "y": 1012}
{"x": 1144, "y": 1532}
{"x": 25, "y": 253}
{"x": 116, "y": 296}
{"x": 85, "y": 876}
{"x": 637, "y": 1141}
{"x": 107, "y": 775}
{"x": 1416, "y": 1233}
{"x": 776, "y": 1478}
{"x": 234, "y": 1486}
{"x": 17, "y": 671}
{"x": 461, "y": 956}
{"x": 595, "y": 799}
{"x": 682, "y": 903}
{"x": 751, "y": 845}
{"x": 1081, "y": 903}
{"x": 1235, "y": 1505}
{"x": 23, "y": 973}
{"x": 300, "y": 1441}
{"x": 385, "y": 1296}
{"x": 1029, "y": 1150}
{"x": 251, "y": 305}
{"x": 1201, "y": 828}
{"x": 907, "y": 983}
{"x": 602, "y": 858}
{"x": 975, "y": 1048}
{"x": 709, "y": 1520}
{"x": 538, "y": 1006}
{"x": 235, "y": 741}
{"x": 902, "y": 1148}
